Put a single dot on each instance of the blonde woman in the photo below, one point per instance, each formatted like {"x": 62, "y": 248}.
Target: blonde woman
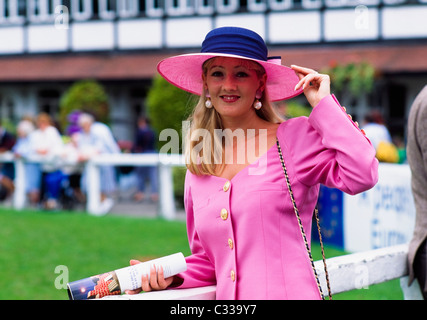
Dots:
{"x": 242, "y": 230}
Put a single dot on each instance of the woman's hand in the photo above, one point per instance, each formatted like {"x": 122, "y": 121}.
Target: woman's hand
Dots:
{"x": 157, "y": 280}
{"x": 316, "y": 86}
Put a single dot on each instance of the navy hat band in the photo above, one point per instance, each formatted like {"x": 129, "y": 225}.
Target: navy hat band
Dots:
{"x": 236, "y": 41}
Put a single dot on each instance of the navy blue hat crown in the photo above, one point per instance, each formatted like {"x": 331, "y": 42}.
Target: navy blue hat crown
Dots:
{"x": 236, "y": 41}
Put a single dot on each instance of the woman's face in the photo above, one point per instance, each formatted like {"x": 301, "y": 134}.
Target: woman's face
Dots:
{"x": 232, "y": 85}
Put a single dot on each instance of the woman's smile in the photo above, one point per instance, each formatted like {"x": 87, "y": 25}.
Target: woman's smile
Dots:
{"x": 230, "y": 98}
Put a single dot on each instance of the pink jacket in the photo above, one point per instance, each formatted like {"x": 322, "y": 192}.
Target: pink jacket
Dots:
{"x": 243, "y": 233}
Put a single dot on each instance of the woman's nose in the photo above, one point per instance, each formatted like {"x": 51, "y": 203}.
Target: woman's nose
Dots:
{"x": 230, "y": 83}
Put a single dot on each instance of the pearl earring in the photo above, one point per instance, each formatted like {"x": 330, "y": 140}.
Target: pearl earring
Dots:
{"x": 208, "y": 102}
{"x": 257, "y": 104}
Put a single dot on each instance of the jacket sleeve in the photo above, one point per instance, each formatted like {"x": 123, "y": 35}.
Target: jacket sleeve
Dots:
{"x": 200, "y": 270}
{"x": 331, "y": 149}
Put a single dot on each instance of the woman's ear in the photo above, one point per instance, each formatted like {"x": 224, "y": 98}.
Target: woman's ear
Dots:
{"x": 263, "y": 82}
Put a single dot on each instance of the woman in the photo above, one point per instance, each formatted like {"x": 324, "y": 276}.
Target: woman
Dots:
{"x": 243, "y": 233}
{"x": 47, "y": 143}
{"x": 96, "y": 138}
{"x": 24, "y": 149}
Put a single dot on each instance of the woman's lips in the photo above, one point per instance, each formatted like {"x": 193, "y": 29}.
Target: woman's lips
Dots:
{"x": 230, "y": 98}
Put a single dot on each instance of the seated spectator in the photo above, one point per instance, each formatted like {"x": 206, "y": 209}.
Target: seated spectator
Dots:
{"x": 24, "y": 148}
{"x": 96, "y": 138}
{"x": 7, "y": 172}
{"x": 48, "y": 144}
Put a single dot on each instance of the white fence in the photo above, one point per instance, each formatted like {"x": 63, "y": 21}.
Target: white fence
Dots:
{"x": 164, "y": 162}
{"x": 348, "y": 272}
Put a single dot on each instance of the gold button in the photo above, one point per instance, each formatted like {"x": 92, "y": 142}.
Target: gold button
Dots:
{"x": 230, "y": 244}
{"x": 224, "y": 214}
{"x": 226, "y": 186}
{"x": 233, "y": 275}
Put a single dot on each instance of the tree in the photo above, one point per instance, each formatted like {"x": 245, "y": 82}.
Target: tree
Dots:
{"x": 86, "y": 96}
{"x": 168, "y": 106}
{"x": 358, "y": 78}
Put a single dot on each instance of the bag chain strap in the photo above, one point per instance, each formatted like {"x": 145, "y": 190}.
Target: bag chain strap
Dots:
{"x": 316, "y": 214}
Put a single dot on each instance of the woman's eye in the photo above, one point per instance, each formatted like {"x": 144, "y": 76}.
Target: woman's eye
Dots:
{"x": 241, "y": 74}
{"x": 216, "y": 74}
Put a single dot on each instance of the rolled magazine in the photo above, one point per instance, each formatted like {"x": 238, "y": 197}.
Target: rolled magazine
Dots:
{"x": 128, "y": 278}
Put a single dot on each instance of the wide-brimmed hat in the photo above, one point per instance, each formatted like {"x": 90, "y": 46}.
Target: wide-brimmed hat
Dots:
{"x": 185, "y": 71}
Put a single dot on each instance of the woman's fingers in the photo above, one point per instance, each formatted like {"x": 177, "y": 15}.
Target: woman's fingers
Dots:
{"x": 163, "y": 282}
{"x": 136, "y": 291}
{"x": 155, "y": 281}
{"x": 133, "y": 262}
{"x": 306, "y": 75}
{"x": 302, "y": 71}
{"x": 315, "y": 85}
{"x": 309, "y": 80}
{"x": 145, "y": 283}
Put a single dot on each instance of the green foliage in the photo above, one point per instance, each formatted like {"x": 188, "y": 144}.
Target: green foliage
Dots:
{"x": 86, "y": 96}
{"x": 168, "y": 106}
{"x": 356, "y": 77}
{"x": 295, "y": 109}
{"x": 8, "y": 125}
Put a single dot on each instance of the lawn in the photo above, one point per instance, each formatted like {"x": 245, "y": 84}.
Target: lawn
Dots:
{"x": 33, "y": 244}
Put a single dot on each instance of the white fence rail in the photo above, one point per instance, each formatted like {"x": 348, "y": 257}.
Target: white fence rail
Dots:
{"x": 348, "y": 272}
{"x": 164, "y": 162}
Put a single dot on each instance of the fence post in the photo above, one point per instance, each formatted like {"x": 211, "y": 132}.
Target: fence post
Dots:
{"x": 19, "y": 195}
{"x": 166, "y": 197}
{"x": 93, "y": 177}
{"x": 412, "y": 292}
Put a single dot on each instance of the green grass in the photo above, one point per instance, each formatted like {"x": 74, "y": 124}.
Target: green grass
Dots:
{"x": 33, "y": 244}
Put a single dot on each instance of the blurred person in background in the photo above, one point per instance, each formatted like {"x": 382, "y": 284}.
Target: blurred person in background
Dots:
{"x": 24, "y": 148}
{"x": 377, "y": 132}
{"x": 96, "y": 138}
{"x": 417, "y": 158}
{"x": 144, "y": 142}
{"x": 375, "y": 128}
{"x": 7, "y": 172}
{"x": 48, "y": 145}
{"x": 72, "y": 193}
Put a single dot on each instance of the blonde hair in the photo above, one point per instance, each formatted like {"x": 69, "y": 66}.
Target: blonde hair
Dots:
{"x": 204, "y": 150}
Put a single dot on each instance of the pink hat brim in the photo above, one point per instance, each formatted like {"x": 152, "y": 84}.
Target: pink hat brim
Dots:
{"x": 185, "y": 72}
